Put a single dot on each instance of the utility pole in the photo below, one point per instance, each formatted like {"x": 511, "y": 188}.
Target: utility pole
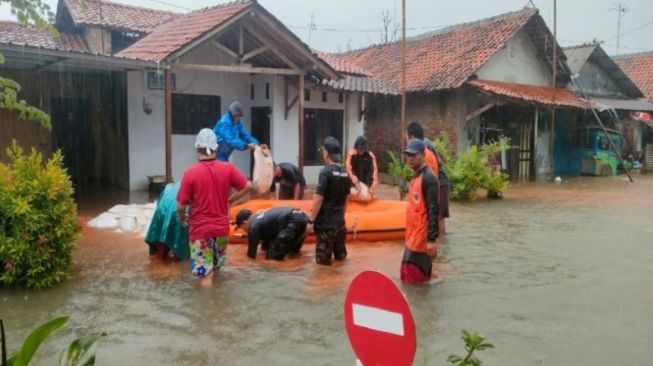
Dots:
{"x": 554, "y": 83}
{"x": 403, "y": 77}
{"x": 621, "y": 10}
{"x": 311, "y": 27}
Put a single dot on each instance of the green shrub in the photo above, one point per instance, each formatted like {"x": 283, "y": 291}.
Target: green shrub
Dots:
{"x": 473, "y": 342}
{"x": 467, "y": 174}
{"x": 468, "y": 171}
{"x": 38, "y": 220}
{"x": 399, "y": 171}
{"x": 495, "y": 183}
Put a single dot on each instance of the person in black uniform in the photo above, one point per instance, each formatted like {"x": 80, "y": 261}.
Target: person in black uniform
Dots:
{"x": 361, "y": 165}
{"x": 329, "y": 203}
{"x": 291, "y": 182}
{"x": 281, "y": 230}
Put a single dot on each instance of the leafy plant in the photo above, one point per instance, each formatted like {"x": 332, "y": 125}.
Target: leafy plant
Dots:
{"x": 468, "y": 171}
{"x": 496, "y": 182}
{"x": 473, "y": 342}
{"x": 398, "y": 170}
{"x": 81, "y": 352}
{"x": 400, "y": 173}
{"x": 39, "y": 14}
{"x": 38, "y": 220}
{"x": 34, "y": 341}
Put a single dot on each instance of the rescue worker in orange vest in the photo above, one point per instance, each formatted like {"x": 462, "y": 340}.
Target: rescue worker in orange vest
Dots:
{"x": 415, "y": 131}
{"x": 421, "y": 217}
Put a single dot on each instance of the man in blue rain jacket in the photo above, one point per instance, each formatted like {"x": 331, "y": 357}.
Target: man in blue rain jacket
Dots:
{"x": 231, "y": 133}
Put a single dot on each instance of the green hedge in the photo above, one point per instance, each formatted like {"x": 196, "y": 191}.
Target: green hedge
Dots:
{"x": 38, "y": 220}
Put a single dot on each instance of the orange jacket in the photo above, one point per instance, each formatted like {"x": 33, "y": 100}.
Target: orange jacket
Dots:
{"x": 422, "y": 210}
{"x": 432, "y": 161}
{"x": 353, "y": 174}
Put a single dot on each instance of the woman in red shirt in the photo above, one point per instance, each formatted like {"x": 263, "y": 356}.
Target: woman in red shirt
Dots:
{"x": 205, "y": 188}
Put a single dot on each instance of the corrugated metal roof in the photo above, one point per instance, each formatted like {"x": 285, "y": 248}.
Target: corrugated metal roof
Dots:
{"x": 577, "y": 56}
{"x": 635, "y": 105}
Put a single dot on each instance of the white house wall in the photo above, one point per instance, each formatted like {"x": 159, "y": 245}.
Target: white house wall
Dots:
{"x": 147, "y": 132}
{"x": 517, "y": 63}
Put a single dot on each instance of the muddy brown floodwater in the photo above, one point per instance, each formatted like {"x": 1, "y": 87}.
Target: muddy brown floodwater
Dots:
{"x": 553, "y": 275}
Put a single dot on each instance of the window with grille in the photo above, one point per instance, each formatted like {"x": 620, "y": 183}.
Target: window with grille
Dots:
{"x": 318, "y": 124}
{"x": 191, "y": 113}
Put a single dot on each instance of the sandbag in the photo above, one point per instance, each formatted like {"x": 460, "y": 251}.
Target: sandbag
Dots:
{"x": 361, "y": 194}
{"x": 263, "y": 174}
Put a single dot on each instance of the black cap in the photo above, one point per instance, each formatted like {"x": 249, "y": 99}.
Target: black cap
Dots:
{"x": 332, "y": 146}
{"x": 360, "y": 143}
{"x": 242, "y": 216}
{"x": 415, "y": 146}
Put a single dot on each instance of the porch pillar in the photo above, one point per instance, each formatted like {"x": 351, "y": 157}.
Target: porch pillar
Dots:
{"x": 168, "y": 136}
{"x": 537, "y": 112}
{"x": 300, "y": 95}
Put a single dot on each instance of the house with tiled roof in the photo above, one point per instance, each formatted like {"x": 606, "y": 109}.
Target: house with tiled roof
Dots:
{"x": 616, "y": 98}
{"x": 108, "y": 27}
{"x": 475, "y": 81}
{"x": 128, "y": 88}
{"x": 639, "y": 68}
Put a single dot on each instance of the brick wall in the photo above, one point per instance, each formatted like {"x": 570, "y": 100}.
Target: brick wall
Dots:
{"x": 437, "y": 112}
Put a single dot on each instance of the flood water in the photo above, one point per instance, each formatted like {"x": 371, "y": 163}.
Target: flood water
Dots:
{"x": 553, "y": 275}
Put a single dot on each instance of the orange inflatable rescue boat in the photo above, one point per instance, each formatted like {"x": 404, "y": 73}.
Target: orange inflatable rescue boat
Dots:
{"x": 378, "y": 220}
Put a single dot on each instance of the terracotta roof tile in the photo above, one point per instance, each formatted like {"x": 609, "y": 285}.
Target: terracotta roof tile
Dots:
{"x": 443, "y": 59}
{"x": 340, "y": 64}
{"x": 173, "y": 35}
{"x": 117, "y": 16}
{"x": 530, "y": 93}
{"x": 361, "y": 84}
{"x": 22, "y": 35}
{"x": 639, "y": 68}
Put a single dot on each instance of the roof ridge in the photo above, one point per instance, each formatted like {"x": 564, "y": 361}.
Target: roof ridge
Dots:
{"x": 444, "y": 30}
{"x": 14, "y": 22}
{"x": 630, "y": 55}
{"x": 582, "y": 45}
{"x": 108, "y": 2}
{"x": 222, "y": 5}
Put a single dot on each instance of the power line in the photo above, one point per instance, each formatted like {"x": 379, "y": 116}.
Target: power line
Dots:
{"x": 172, "y": 5}
{"x": 360, "y": 30}
{"x": 633, "y": 30}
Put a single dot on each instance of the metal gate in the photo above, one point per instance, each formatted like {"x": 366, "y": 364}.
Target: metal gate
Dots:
{"x": 648, "y": 158}
{"x": 525, "y": 151}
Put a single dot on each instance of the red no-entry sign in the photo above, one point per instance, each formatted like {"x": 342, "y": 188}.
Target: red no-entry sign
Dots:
{"x": 378, "y": 321}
